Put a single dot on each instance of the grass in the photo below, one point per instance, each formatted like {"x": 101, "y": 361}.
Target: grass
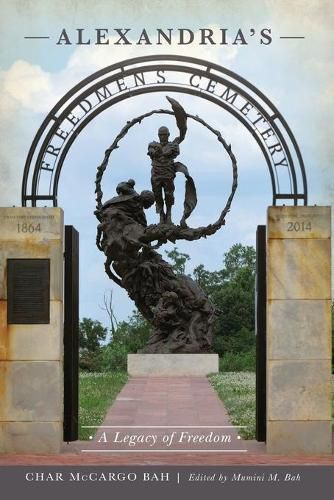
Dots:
{"x": 97, "y": 392}
{"x": 237, "y": 391}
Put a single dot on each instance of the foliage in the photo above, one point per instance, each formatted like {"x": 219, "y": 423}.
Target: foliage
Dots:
{"x": 133, "y": 333}
{"x": 238, "y": 362}
{"x": 128, "y": 338}
{"x": 210, "y": 282}
{"x": 114, "y": 357}
{"x": 333, "y": 403}
{"x": 91, "y": 361}
{"x": 333, "y": 336}
{"x": 235, "y": 297}
{"x": 91, "y": 333}
{"x": 231, "y": 289}
{"x": 97, "y": 392}
{"x": 237, "y": 390}
{"x": 179, "y": 260}
{"x": 239, "y": 257}
{"x": 241, "y": 342}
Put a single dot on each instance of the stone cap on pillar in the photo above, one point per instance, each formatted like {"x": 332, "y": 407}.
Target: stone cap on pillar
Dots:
{"x": 35, "y": 223}
{"x": 299, "y": 222}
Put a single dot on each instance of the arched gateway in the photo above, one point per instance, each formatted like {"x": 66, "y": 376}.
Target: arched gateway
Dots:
{"x": 39, "y": 288}
{"x": 169, "y": 73}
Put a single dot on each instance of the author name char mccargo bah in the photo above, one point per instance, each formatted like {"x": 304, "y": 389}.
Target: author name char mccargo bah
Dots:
{"x": 164, "y": 37}
{"x": 163, "y": 477}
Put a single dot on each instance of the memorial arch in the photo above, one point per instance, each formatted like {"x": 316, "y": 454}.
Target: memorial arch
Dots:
{"x": 142, "y": 75}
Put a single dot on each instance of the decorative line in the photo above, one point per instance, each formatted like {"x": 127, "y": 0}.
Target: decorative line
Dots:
{"x": 164, "y": 426}
{"x": 164, "y": 451}
{"x": 36, "y": 37}
{"x": 292, "y": 37}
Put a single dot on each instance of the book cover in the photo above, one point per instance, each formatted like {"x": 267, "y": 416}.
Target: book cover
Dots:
{"x": 243, "y": 93}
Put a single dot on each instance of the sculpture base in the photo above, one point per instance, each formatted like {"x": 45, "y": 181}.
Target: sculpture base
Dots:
{"x": 172, "y": 365}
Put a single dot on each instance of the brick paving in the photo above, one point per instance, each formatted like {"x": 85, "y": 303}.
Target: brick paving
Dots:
{"x": 159, "y": 406}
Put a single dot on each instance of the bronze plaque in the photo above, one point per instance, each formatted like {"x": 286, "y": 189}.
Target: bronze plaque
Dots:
{"x": 28, "y": 291}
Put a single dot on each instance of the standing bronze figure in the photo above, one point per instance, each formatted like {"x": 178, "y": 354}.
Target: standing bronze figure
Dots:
{"x": 163, "y": 173}
{"x": 164, "y": 169}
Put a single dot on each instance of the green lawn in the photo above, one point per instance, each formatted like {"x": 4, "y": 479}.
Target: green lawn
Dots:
{"x": 237, "y": 391}
{"x": 97, "y": 392}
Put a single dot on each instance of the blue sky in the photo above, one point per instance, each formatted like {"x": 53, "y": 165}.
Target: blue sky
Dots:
{"x": 297, "y": 75}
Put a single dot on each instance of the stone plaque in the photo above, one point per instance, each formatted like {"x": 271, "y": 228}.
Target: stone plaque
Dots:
{"x": 35, "y": 224}
{"x": 304, "y": 222}
{"x": 28, "y": 291}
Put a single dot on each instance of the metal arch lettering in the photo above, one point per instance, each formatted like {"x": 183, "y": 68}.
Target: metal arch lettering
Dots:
{"x": 136, "y": 66}
{"x": 167, "y": 88}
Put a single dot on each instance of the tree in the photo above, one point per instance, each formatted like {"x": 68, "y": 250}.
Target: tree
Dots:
{"x": 129, "y": 337}
{"x": 232, "y": 290}
{"x": 133, "y": 333}
{"x": 235, "y": 298}
{"x": 237, "y": 258}
{"x": 91, "y": 334}
{"x": 179, "y": 260}
{"x": 109, "y": 308}
{"x": 210, "y": 282}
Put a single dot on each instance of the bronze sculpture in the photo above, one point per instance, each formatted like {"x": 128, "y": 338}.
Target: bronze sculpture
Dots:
{"x": 180, "y": 314}
{"x": 177, "y": 308}
{"x": 162, "y": 155}
{"x": 164, "y": 169}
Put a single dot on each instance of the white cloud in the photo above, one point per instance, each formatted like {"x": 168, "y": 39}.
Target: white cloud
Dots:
{"x": 30, "y": 87}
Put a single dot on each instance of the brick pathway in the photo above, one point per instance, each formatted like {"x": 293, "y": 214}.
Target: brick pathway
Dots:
{"x": 161, "y": 406}
{"x": 151, "y": 408}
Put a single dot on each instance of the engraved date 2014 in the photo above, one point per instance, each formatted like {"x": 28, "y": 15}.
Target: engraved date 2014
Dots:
{"x": 299, "y": 226}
